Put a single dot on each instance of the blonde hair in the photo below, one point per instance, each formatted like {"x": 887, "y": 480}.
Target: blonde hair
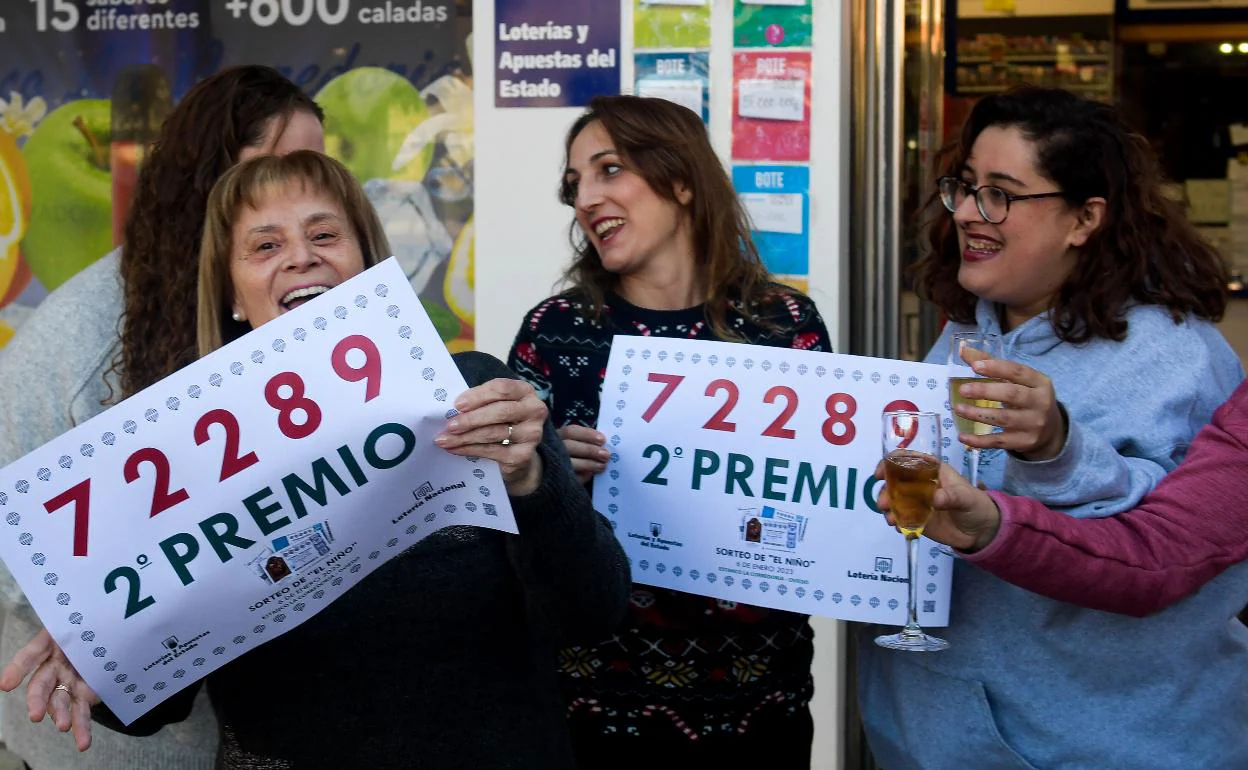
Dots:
{"x": 249, "y": 184}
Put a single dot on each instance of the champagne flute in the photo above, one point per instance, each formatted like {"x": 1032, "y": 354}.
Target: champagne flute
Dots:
{"x": 964, "y": 349}
{"x": 911, "y": 442}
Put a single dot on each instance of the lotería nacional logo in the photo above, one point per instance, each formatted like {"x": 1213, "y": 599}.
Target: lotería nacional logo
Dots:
{"x": 425, "y": 493}
{"x": 883, "y": 572}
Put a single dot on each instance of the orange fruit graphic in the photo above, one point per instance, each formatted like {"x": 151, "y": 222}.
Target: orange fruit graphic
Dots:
{"x": 14, "y": 208}
{"x": 459, "y": 286}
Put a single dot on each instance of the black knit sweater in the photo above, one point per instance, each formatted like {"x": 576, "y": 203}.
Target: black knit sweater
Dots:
{"x": 681, "y": 667}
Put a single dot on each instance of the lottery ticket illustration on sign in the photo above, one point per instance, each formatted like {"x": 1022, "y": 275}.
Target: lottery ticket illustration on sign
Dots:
{"x": 233, "y": 500}
{"x": 745, "y": 473}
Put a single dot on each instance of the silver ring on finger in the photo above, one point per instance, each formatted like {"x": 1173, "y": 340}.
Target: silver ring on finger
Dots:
{"x": 507, "y": 441}
{"x": 63, "y": 687}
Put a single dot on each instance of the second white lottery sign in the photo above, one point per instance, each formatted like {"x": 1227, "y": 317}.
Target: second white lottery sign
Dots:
{"x": 231, "y": 501}
{"x": 746, "y": 473}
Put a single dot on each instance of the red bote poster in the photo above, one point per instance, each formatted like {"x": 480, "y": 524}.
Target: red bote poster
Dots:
{"x": 771, "y": 106}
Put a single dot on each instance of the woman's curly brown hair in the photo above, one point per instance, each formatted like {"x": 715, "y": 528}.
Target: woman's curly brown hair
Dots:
{"x": 199, "y": 141}
{"x": 1145, "y": 250}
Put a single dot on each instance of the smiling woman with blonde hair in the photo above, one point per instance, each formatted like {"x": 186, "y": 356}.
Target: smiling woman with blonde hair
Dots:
{"x": 249, "y": 188}
{"x": 444, "y": 656}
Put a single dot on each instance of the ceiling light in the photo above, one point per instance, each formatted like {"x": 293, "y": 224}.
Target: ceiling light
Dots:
{"x": 1226, "y": 48}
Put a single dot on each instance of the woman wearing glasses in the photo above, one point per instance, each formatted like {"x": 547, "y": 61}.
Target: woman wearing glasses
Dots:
{"x": 1059, "y": 240}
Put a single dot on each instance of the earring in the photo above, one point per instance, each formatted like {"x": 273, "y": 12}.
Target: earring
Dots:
{"x": 237, "y": 316}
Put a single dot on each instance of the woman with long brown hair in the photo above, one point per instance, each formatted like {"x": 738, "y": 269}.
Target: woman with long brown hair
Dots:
{"x": 663, "y": 249}
{"x": 127, "y": 321}
{"x": 1058, "y": 238}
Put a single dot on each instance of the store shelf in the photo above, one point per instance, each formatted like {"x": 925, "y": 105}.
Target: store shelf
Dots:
{"x": 994, "y": 55}
{"x": 1099, "y": 88}
{"x": 1036, "y": 59}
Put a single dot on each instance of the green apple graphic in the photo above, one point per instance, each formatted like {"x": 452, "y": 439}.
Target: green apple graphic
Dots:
{"x": 369, "y": 111}
{"x": 443, "y": 320}
{"x": 71, "y": 216}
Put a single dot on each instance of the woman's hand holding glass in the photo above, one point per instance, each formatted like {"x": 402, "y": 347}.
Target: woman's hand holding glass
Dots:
{"x": 964, "y": 349}
{"x": 911, "y": 444}
{"x": 963, "y": 516}
{"x": 501, "y": 420}
{"x": 1031, "y": 424}
{"x": 55, "y": 688}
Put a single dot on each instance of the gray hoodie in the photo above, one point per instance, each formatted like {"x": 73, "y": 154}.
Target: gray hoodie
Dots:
{"x": 1029, "y": 682}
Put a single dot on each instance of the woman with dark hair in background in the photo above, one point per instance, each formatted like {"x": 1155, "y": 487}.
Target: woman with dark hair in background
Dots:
{"x": 1061, "y": 242}
{"x": 122, "y": 324}
{"x": 663, "y": 249}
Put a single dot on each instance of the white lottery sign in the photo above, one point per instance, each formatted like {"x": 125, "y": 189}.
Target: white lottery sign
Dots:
{"x": 746, "y": 473}
{"x": 686, "y": 93}
{"x": 231, "y": 501}
{"x": 772, "y": 99}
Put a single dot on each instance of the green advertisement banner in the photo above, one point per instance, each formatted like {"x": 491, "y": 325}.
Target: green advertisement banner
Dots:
{"x": 393, "y": 76}
{"x": 771, "y": 24}
{"x": 672, "y": 24}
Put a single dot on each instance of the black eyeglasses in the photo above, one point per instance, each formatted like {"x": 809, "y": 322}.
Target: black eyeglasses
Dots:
{"x": 992, "y": 202}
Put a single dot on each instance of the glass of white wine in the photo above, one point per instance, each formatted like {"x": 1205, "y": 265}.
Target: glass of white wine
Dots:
{"x": 911, "y": 443}
{"x": 964, "y": 349}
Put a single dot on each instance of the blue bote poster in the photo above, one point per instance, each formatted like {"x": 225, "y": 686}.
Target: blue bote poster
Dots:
{"x": 777, "y": 199}
{"x": 553, "y": 53}
{"x": 85, "y": 85}
{"x": 682, "y": 77}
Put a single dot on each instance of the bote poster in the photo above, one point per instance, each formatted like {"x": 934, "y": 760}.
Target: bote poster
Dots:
{"x": 83, "y": 85}
{"x": 771, "y": 106}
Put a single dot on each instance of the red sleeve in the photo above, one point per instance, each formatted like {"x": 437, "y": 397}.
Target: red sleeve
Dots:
{"x": 1183, "y": 534}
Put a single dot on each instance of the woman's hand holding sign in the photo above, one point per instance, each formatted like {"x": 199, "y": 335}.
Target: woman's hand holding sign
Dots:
{"x": 501, "y": 420}
{"x": 55, "y": 688}
{"x": 587, "y": 448}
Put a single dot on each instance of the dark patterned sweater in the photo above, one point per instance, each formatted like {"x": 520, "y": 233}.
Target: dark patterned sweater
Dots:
{"x": 681, "y": 665}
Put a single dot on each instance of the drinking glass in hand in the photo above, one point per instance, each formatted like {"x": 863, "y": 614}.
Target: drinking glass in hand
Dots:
{"x": 965, "y": 349}
{"x": 911, "y": 442}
